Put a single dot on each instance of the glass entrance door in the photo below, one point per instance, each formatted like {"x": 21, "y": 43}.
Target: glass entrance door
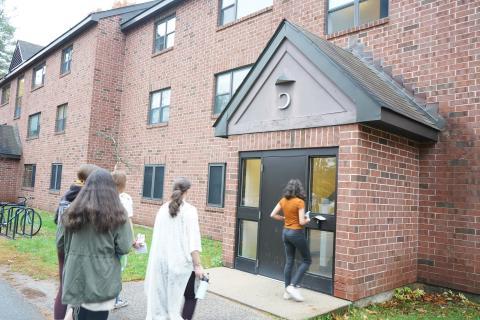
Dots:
{"x": 263, "y": 176}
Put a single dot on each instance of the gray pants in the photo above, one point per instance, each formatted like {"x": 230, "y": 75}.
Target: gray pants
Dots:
{"x": 293, "y": 240}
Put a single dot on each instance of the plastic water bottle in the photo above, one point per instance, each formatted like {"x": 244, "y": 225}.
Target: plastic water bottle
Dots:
{"x": 202, "y": 288}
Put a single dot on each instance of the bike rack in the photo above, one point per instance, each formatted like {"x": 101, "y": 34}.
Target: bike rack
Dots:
{"x": 10, "y": 216}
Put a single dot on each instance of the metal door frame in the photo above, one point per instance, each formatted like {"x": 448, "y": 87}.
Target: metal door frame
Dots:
{"x": 253, "y": 214}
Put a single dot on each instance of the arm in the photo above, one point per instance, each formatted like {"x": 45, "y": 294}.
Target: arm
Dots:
{"x": 275, "y": 214}
{"x": 197, "y": 264}
{"x": 195, "y": 242}
{"x": 123, "y": 238}
{"x": 301, "y": 217}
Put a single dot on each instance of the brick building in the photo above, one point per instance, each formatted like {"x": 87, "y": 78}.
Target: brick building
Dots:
{"x": 241, "y": 96}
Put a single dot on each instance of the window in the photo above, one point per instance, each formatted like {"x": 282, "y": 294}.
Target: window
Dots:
{"x": 164, "y": 34}
{"x": 251, "y": 182}
{"x": 61, "y": 118}
{"x": 29, "y": 175}
{"x": 216, "y": 184}
{"x": 159, "y": 109}
{"x": 248, "y": 236}
{"x": 18, "y": 99}
{"x": 38, "y": 76}
{"x": 33, "y": 125}
{"x": 346, "y": 14}
{"x": 323, "y": 185}
{"x": 153, "y": 176}
{"x": 5, "y": 94}
{"x": 227, "y": 84}
{"x": 232, "y": 10}
{"x": 66, "y": 60}
{"x": 56, "y": 177}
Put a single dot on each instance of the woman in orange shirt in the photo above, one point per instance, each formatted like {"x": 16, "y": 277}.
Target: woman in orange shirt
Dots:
{"x": 293, "y": 206}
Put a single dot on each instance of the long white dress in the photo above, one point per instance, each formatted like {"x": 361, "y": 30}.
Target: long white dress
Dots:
{"x": 170, "y": 262}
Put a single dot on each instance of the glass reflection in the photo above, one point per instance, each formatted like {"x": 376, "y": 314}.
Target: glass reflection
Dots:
{"x": 323, "y": 185}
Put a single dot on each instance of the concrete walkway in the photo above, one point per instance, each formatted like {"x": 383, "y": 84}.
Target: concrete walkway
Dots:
{"x": 266, "y": 294}
{"x": 15, "y": 306}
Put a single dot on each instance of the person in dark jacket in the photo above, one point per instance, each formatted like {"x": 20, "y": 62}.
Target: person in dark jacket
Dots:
{"x": 95, "y": 230}
{"x": 83, "y": 172}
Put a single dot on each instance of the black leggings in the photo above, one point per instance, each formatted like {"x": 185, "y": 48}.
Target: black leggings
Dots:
{"x": 86, "y": 314}
{"x": 190, "y": 301}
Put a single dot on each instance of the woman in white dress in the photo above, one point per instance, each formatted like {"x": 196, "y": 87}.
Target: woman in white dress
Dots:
{"x": 174, "y": 259}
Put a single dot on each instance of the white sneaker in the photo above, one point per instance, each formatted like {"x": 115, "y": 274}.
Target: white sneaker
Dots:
{"x": 294, "y": 293}
{"x": 286, "y": 296}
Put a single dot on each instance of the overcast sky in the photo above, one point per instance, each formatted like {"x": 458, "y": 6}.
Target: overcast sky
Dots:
{"x": 42, "y": 21}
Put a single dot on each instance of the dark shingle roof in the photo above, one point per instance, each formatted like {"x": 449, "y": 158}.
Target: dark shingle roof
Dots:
{"x": 380, "y": 86}
{"x": 9, "y": 142}
{"x": 23, "y": 51}
{"x": 28, "y": 49}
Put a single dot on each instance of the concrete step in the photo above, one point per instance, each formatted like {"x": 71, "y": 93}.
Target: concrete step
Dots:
{"x": 266, "y": 294}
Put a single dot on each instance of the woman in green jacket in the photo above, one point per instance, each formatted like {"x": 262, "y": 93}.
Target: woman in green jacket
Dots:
{"x": 96, "y": 233}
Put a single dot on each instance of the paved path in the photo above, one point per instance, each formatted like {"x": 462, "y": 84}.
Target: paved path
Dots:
{"x": 212, "y": 308}
{"x": 15, "y": 306}
{"x": 35, "y": 299}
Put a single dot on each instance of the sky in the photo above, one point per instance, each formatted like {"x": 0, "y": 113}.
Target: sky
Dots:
{"x": 42, "y": 21}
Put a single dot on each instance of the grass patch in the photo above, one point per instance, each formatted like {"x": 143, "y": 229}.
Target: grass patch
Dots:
{"x": 410, "y": 304}
{"x": 37, "y": 257}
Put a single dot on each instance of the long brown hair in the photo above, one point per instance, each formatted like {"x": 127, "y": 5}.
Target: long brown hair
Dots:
{"x": 294, "y": 189}
{"x": 180, "y": 186}
{"x": 97, "y": 203}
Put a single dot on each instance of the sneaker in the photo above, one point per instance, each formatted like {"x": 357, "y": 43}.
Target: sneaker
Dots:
{"x": 120, "y": 304}
{"x": 287, "y": 296}
{"x": 294, "y": 293}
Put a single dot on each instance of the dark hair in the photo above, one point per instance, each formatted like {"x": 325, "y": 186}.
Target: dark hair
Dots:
{"x": 120, "y": 179}
{"x": 85, "y": 170}
{"x": 180, "y": 186}
{"x": 97, "y": 203}
{"x": 294, "y": 189}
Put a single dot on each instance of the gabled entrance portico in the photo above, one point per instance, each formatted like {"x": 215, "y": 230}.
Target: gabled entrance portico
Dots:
{"x": 313, "y": 111}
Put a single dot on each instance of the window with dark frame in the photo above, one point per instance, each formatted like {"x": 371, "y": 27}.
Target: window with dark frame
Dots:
{"x": 56, "y": 177}
{"x": 19, "y": 96}
{"x": 29, "y": 175}
{"x": 231, "y": 10}
{"x": 153, "y": 179}
{"x": 216, "y": 184}
{"x": 5, "y": 94}
{"x": 347, "y": 14}
{"x": 33, "y": 125}
{"x": 66, "y": 60}
{"x": 226, "y": 84}
{"x": 159, "y": 108}
{"x": 164, "y": 34}
{"x": 61, "y": 118}
{"x": 38, "y": 76}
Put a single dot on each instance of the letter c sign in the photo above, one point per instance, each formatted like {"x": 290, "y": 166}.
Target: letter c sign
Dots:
{"x": 287, "y": 103}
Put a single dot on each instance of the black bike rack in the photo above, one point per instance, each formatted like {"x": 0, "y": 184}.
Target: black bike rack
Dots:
{"x": 10, "y": 224}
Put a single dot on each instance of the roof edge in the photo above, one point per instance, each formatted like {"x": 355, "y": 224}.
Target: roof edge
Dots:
{"x": 147, "y": 13}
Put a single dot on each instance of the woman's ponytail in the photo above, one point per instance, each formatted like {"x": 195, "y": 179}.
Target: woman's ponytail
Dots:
{"x": 180, "y": 186}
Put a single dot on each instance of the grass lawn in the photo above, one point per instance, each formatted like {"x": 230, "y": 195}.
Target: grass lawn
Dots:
{"x": 37, "y": 257}
{"x": 413, "y": 305}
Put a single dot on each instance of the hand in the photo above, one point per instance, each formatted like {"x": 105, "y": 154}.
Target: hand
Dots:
{"x": 307, "y": 220}
{"x": 198, "y": 271}
{"x": 137, "y": 245}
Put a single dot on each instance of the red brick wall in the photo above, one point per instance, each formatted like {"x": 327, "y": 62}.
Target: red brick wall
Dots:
{"x": 107, "y": 88}
{"x": 430, "y": 45}
{"x": 9, "y": 181}
{"x": 433, "y": 46}
{"x": 377, "y": 203}
{"x": 69, "y": 148}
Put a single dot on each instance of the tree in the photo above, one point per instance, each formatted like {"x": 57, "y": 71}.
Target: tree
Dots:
{"x": 121, "y": 3}
{"x": 6, "y": 40}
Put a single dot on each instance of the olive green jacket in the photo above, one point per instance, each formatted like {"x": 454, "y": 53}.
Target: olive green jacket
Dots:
{"x": 92, "y": 272}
